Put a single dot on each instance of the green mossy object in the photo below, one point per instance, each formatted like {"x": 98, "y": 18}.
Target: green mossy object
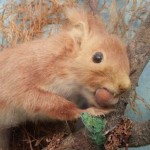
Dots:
{"x": 95, "y": 126}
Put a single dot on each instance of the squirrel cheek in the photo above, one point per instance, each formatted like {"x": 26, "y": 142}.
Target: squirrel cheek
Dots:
{"x": 103, "y": 97}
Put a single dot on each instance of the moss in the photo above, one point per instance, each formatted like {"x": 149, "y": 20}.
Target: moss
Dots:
{"x": 95, "y": 127}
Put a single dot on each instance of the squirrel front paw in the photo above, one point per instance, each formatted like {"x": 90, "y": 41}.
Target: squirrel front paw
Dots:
{"x": 98, "y": 111}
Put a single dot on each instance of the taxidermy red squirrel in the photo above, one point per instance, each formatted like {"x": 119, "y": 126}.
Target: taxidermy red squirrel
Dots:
{"x": 37, "y": 77}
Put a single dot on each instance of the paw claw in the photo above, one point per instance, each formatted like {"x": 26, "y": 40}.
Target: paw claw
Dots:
{"x": 95, "y": 111}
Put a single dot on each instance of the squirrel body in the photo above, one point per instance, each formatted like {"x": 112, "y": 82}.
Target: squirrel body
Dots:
{"x": 37, "y": 77}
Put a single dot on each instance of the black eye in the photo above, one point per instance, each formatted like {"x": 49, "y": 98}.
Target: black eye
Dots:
{"x": 97, "y": 57}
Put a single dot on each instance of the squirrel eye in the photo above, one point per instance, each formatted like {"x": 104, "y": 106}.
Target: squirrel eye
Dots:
{"x": 97, "y": 57}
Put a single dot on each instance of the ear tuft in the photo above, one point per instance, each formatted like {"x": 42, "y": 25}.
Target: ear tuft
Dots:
{"x": 81, "y": 23}
{"x": 78, "y": 22}
{"x": 75, "y": 15}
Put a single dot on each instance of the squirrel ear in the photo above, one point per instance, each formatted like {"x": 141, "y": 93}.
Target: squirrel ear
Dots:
{"x": 78, "y": 23}
{"x": 78, "y": 32}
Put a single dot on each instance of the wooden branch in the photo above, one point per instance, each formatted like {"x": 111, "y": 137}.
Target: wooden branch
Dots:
{"x": 140, "y": 134}
{"x": 139, "y": 51}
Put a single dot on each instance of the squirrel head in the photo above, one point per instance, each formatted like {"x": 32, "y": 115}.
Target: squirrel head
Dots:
{"x": 101, "y": 60}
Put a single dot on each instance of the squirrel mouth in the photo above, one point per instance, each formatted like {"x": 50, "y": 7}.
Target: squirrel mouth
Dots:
{"x": 105, "y": 97}
{"x": 112, "y": 93}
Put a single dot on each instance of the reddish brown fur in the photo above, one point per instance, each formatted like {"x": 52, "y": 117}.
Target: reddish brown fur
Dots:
{"x": 37, "y": 77}
{"x": 2, "y": 104}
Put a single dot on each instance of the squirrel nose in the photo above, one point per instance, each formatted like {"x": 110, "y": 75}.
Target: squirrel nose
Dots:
{"x": 124, "y": 86}
{"x": 122, "y": 90}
